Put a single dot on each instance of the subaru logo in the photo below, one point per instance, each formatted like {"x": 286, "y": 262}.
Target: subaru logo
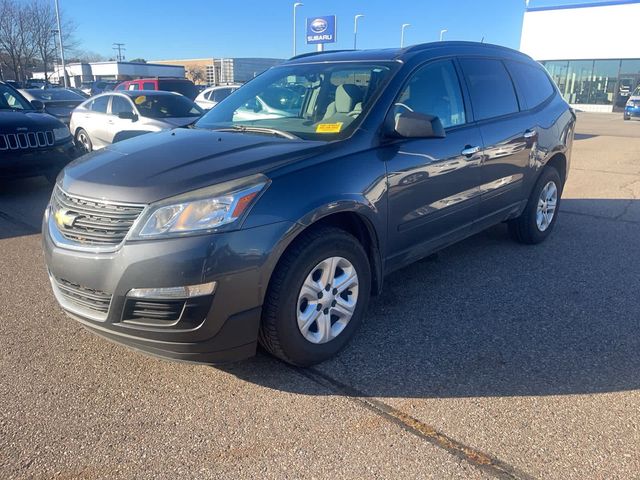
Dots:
{"x": 319, "y": 25}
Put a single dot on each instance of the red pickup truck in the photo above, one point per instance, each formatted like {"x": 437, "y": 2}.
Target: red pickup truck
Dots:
{"x": 178, "y": 85}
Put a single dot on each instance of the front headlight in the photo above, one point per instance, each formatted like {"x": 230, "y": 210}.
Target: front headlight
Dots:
{"x": 61, "y": 133}
{"x": 202, "y": 210}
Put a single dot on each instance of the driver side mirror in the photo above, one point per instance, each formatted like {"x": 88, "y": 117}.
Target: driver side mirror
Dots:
{"x": 38, "y": 105}
{"x": 417, "y": 125}
{"x": 128, "y": 116}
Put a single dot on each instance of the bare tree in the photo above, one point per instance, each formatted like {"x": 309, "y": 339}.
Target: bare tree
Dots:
{"x": 27, "y": 36}
{"x": 196, "y": 74}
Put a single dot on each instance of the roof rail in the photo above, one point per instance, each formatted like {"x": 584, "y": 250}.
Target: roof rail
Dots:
{"x": 312, "y": 54}
{"x": 425, "y": 46}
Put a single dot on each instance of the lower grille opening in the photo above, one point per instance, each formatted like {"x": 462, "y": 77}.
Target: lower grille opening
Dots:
{"x": 146, "y": 312}
{"x": 84, "y": 298}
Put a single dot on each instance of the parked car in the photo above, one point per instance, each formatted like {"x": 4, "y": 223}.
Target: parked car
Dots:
{"x": 182, "y": 86}
{"x": 211, "y": 96}
{"x": 98, "y": 86}
{"x": 632, "y": 107}
{"x": 196, "y": 244}
{"x": 31, "y": 142}
{"x": 112, "y": 117}
{"x": 79, "y": 91}
{"x": 58, "y": 102}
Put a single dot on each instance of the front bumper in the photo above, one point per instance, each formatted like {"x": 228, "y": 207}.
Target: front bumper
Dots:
{"x": 632, "y": 111}
{"x": 34, "y": 162}
{"x": 218, "y": 328}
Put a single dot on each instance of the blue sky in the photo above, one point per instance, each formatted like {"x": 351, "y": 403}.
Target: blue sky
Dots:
{"x": 163, "y": 29}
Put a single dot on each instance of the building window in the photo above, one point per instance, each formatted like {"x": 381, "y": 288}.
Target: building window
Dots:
{"x": 603, "y": 82}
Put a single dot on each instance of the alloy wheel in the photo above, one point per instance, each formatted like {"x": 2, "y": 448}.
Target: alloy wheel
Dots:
{"x": 327, "y": 300}
{"x": 547, "y": 204}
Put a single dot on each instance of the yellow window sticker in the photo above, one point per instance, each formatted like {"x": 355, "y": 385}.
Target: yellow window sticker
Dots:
{"x": 329, "y": 127}
{"x": 140, "y": 100}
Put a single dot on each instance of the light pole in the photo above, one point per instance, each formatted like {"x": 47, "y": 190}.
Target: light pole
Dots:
{"x": 355, "y": 30}
{"x": 295, "y": 5}
{"x": 64, "y": 68}
{"x": 442, "y": 32}
{"x": 404, "y": 25}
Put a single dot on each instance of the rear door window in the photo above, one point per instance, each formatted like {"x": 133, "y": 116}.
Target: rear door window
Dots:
{"x": 490, "y": 87}
{"x": 100, "y": 104}
{"x": 532, "y": 82}
{"x": 148, "y": 86}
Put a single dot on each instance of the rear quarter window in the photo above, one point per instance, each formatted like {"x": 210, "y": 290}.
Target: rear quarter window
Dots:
{"x": 490, "y": 87}
{"x": 532, "y": 83}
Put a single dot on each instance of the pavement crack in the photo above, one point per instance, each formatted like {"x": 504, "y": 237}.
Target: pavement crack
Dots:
{"x": 477, "y": 458}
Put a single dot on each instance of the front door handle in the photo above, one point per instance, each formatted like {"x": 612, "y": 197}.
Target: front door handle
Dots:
{"x": 468, "y": 150}
{"x": 530, "y": 134}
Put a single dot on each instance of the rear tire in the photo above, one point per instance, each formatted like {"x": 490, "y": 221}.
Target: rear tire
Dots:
{"x": 83, "y": 141}
{"x": 285, "y": 331}
{"x": 539, "y": 217}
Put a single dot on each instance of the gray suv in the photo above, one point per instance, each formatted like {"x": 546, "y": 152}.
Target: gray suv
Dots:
{"x": 199, "y": 243}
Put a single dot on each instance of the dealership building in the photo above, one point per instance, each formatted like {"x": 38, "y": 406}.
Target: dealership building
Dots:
{"x": 592, "y": 50}
{"x": 221, "y": 71}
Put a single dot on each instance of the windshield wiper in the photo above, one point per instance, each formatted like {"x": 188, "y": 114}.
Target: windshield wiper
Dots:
{"x": 254, "y": 129}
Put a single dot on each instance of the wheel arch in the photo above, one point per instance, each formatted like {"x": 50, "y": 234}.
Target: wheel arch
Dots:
{"x": 350, "y": 219}
{"x": 559, "y": 162}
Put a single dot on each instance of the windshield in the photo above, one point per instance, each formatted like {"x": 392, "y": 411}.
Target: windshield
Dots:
{"x": 54, "y": 95}
{"x": 166, "y": 106}
{"x": 637, "y": 92}
{"x": 324, "y": 101}
{"x": 12, "y": 100}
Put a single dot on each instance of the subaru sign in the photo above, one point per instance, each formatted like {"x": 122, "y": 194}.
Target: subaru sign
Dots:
{"x": 321, "y": 29}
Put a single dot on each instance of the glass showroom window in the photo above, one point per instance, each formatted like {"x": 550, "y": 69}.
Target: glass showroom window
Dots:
{"x": 603, "y": 81}
{"x": 558, "y": 71}
{"x": 579, "y": 81}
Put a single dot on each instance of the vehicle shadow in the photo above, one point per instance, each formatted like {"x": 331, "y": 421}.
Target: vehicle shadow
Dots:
{"x": 22, "y": 205}
{"x": 490, "y": 317}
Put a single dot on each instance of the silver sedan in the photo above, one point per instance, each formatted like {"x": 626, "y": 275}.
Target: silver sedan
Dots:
{"x": 112, "y": 117}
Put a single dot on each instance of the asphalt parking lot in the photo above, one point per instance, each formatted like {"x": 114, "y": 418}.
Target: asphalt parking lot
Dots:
{"x": 490, "y": 359}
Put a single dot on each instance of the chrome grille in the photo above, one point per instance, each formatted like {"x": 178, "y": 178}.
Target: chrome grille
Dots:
{"x": 83, "y": 298}
{"x": 94, "y": 222}
{"x": 25, "y": 140}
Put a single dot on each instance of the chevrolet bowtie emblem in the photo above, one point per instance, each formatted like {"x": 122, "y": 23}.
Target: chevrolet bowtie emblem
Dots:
{"x": 64, "y": 218}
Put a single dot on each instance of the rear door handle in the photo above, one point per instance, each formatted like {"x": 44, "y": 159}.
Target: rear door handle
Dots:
{"x": 530, "y": 134}
{"x": 469, "y": 150}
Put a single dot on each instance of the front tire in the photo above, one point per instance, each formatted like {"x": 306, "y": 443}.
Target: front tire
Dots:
{"x": 317, "y": 297}
{"x": 541, "y": 213}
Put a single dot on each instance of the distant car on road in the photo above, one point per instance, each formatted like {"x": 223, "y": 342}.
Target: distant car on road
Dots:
{"x": 211, "y": 96}
{"x": 632, "y": 108}
{"x": 58, "y": 102}
{"x": 112, "y": 117}
{"x": 182, "y": 86}
{"x": 31, "y": 142}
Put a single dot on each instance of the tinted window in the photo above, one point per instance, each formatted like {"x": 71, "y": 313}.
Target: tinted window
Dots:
{"x": 533, "y": 84}
{"x": 434, "y": 90}
{"x": 186, "y": 88}
{"x": 120, "y": 104}
{"x": 148, "y": 86}
{"x": 490, "y": 87}
{"x": 219, "y": 95}
{"x": 100, "y": 104}
{"x": 165, "y": 106}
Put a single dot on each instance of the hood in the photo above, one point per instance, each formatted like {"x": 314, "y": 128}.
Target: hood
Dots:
{"x": 179, "y": 121}
{"x": 154, "y": 166}
{"x": 11, "y": 120}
